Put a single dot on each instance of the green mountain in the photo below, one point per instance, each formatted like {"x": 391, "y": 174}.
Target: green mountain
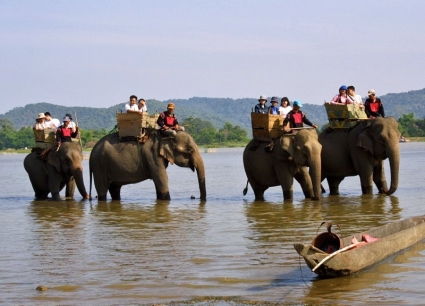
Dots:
{"x": 216, "y": 110}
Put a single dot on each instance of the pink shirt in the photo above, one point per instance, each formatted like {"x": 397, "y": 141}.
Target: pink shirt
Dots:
{"x": 341, "y": 100}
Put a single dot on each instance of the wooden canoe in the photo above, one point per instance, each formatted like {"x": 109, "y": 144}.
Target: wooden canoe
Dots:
{"x": 393, "y": 237}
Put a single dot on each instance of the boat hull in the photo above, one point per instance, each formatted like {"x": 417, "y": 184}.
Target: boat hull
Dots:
{"x": 393, "y": 238}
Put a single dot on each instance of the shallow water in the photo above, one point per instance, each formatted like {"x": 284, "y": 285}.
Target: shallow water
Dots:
{"x": 141, "y": 251}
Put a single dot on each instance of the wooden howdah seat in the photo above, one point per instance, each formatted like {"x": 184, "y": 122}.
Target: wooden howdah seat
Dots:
{"x": 344, "y": 116}
{"x": 266, "y": 126}
{"x": 45, "y": 139}
{"x": 134, "y": 125}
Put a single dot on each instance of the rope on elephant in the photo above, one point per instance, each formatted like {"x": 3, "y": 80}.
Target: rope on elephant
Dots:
{"x": 114, "y": 130}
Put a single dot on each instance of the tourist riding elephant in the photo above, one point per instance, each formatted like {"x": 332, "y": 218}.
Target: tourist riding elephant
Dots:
{"x": 361, "y": 151}
{"x": 58, "y": 168}
{"x": 114, "y": 163}
{"x": 289, "y": 159}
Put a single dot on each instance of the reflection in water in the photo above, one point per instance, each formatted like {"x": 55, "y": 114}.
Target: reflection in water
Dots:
{"x": 288, "y": 223}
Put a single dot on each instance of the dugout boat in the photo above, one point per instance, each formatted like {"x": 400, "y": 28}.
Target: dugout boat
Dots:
{"x": 349, "y": 258}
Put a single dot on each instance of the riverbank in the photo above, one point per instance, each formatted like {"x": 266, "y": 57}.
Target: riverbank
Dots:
{"x": 202, "y": 148}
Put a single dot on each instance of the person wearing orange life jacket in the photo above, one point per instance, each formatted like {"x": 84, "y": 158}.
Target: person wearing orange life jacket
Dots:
{"x": 168, "y": 122}
{"x": 296, "y": 118}
{"x": 65, "y": 132}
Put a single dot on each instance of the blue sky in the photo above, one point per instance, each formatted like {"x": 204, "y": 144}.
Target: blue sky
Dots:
{"x": 98, "y": 53}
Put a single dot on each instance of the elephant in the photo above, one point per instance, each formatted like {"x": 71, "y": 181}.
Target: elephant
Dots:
{"x": 289, "y": 159}
{"x": 115, "y": 163}
{"x": 58, "y": 168}
{"x": 361, "y": 150}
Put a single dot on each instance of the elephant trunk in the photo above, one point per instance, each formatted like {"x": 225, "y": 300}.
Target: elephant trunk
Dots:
{"x": 78, "y": 177}
{"x": 200, "y": 170}
{"x": 393, "y": 152}
{"x": 315, "y": 171}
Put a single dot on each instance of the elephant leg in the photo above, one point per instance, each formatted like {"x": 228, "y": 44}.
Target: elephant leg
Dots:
{"x": 70, "y": 188}
{"x": 41, "y": 195}
{"x": 102, "y": 185}
{"x": 379, "y": 177}
{"x": 54, "y": 187}
{"x": 303, "y": 178}
{"x": 115, "y": 191}
{"x": 366, "y": 182}
{"x": 161, "y": 185}
{"x": 163, "y": 195}
{"x": 259, "y": 192}
{"x": 286, "y": 179}
{"x": 333, "y": 182}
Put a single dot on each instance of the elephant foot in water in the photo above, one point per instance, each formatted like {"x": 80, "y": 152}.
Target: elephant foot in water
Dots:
{"x": 334, "y": 190}
{"x": 56, "y": 196}
{"x": 288, "y": 195}
{"x": 368, "y": 190}
{"x": 101, "y": 198}
{"x": 163, "y": 196}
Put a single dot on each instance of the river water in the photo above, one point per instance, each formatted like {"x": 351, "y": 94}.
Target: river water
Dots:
{"x": 142, "y": 251}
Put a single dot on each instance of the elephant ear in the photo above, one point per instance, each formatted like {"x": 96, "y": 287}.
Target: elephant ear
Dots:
{"x": 54, "y": 160}
{"x": 287, "y": 143}
{"x": 365, "y": 140}
{"x": 166, "y": 148}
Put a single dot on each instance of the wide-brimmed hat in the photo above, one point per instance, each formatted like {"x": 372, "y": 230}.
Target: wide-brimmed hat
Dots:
{"x": 274, "y": 99}
{"x": 297, "y": 103}
{"x": 170, "y": 105}
{"x": 262, "y": 98}
{"x": 69, "y": 116}
{"x": 41, "y": 116}
{"x": 66, "y": 119}
{"x": 371, "y": 92}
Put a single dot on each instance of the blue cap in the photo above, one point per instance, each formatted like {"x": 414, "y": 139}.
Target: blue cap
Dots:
{"x": 297, "y": 103}
{"x": 343, "y": 87}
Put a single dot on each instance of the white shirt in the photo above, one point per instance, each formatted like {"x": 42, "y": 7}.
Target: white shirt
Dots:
{"x": 357, "y": 99}
{"x": 133, "y": 107}
{"x": 52, "y": 123}
{"x": 284, "y": 110}
{"x": 56, "y": 122}
{"x": 72, "y": 125}
{"x": 143, "y": 109}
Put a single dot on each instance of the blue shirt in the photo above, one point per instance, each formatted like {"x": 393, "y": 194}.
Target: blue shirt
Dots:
{"x": 274, "y": 110}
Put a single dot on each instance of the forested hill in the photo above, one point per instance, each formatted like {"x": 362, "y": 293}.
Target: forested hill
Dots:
{"x": 216, "y": 110}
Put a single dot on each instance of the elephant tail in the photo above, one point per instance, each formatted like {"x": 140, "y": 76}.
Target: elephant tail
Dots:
{"x": 91, "y": 178}
{"x": 246, "y": 188}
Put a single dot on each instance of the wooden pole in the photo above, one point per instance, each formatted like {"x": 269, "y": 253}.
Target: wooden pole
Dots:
{"x": 79, "y": 133}
{"x": 333, "y": 254}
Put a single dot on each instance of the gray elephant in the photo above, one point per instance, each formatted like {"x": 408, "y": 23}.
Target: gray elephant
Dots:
{"x": 57, "y": 169}
{"x": 289, "y": 159}
{"x": 361, "y": 151}
{"x": 114, "y": 163}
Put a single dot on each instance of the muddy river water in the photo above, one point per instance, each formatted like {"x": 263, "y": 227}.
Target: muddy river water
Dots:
{"x": 143, "y": 251}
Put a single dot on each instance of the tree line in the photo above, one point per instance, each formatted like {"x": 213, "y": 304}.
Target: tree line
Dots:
{"x": 202, "y": 131}
{"x": 411, "y": 127}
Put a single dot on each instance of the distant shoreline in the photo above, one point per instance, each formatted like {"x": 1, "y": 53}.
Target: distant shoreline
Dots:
{"x": 201, "y": 147}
